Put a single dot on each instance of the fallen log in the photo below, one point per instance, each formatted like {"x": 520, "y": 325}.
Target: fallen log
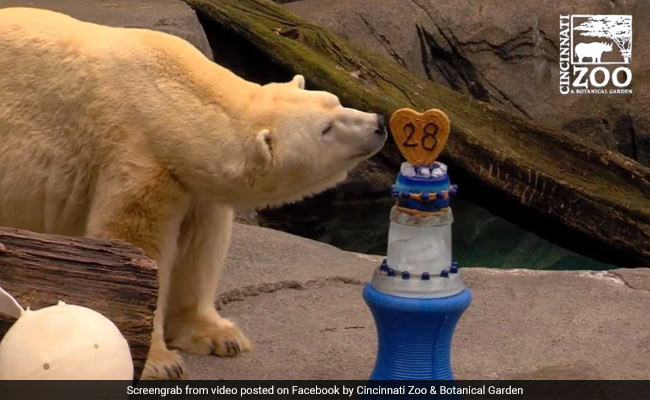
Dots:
{"x": 598, "y": 194}
{"x": 110, "y": 277}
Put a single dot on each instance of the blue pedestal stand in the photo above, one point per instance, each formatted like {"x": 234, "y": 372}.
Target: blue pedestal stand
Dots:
{"x": 414, "y": 334}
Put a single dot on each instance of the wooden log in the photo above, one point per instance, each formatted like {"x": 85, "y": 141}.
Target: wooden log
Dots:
{"x": 113, "y": 278}
{"x": 556, "y": 176}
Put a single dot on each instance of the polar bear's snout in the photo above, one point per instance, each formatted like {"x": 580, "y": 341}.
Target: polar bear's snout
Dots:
{"x": 360, "y": 134}
{"x": 370, "y": 133}
{"x": 379, "y": 135}
{"x": 381, "y": 125}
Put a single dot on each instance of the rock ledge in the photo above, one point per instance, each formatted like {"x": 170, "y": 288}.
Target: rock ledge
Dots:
{"x": 300, "y": 301}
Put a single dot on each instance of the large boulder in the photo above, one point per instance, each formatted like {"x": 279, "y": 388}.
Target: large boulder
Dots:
{"x": 536, "y": 174}
{"x": 505, "y": 52}
{"x": 170, "y": 16}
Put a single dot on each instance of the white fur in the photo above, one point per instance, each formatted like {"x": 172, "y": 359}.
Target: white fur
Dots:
{"x": 134, "y": 134}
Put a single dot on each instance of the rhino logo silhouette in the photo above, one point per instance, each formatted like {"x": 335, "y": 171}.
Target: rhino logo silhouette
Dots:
{"x": 593, "y": 50}
{"x": 610, "y": 29}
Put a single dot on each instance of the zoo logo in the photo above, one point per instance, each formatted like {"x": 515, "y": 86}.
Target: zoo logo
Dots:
{"x": 594, "y": 53}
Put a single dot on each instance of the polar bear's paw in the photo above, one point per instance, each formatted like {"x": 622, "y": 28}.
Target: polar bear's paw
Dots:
{"x": 163, "y": 363}
{"x": 214, "y": 335}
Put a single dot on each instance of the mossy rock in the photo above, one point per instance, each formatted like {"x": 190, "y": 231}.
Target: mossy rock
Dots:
{"x": 595, "y": 193}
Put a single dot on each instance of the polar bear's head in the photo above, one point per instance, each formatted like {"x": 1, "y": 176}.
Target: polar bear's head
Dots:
{"x": 303, "y": 142}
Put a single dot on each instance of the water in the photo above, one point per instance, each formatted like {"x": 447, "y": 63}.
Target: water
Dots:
{"x": 480, "y": 239}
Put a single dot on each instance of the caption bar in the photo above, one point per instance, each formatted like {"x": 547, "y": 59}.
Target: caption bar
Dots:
{"x": 328, "y": 390}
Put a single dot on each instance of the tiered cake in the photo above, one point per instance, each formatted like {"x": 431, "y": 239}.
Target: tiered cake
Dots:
{"x": 416, "y": 295}
{"x": 419, "y": 256}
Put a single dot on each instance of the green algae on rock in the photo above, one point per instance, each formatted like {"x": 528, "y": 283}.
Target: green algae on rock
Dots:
{"x": 599, "y": 194}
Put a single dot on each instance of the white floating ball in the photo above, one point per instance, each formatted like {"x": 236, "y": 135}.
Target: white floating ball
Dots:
{"x": 64, "y": 342}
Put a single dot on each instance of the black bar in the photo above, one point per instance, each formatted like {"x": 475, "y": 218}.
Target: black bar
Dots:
{"x": 326, "y": 390}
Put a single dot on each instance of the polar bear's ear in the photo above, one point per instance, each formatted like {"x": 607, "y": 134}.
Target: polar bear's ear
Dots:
{"x": 298, "y": 81}
{"x": 264, "y": 144}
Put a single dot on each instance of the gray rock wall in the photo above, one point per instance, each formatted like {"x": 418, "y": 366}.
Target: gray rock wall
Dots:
{"x": 504, "y": 52}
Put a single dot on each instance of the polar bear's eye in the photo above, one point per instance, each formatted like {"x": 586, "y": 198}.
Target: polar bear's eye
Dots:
{"x": 327, "y": 129}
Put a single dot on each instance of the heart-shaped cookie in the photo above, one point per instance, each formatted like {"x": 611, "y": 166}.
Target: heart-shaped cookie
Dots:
{"x": 420, "y": 137}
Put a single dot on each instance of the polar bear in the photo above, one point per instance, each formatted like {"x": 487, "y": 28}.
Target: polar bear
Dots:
{"x": 135, "y": 135}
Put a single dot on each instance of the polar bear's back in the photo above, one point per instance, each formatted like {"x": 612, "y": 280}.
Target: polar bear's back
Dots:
{"x": 52, "y": 26}
{"x": 40, "y": 20}
{"x": 65, "y": 80}
{"x": 43, "y": 29}
{"x": 70, "y": 93}
{"x": 48, "y": 138}
{"x": 76, "y": 97}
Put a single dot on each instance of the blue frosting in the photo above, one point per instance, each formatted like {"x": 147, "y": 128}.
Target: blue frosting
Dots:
{"x": 432, "y": 190}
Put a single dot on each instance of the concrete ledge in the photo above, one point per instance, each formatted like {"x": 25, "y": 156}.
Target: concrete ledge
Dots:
{"x": 300, "y": 301}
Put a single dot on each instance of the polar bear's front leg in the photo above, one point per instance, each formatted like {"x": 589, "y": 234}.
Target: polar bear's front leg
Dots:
{"x": 192, "y": 322}
{"x": 144, "y": 206}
